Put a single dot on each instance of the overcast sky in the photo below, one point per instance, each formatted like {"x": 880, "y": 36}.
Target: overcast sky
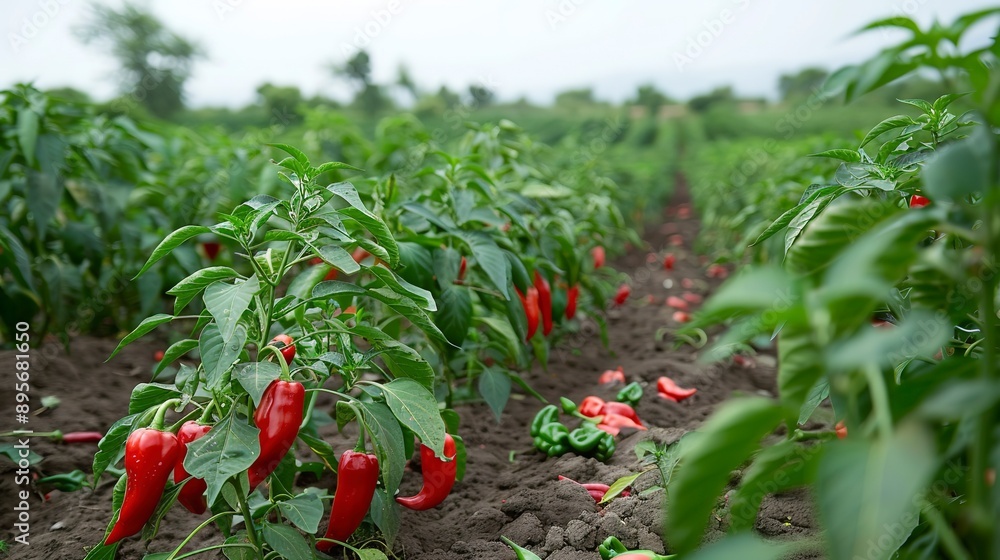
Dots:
{"x": 533, "y": 48}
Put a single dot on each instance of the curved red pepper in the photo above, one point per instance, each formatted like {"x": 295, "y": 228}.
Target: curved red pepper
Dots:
{"x": 286, "y": 345}
{"x": 571, "y": 295}
{"x": 544, "y": 302}
{"x": 81, "y": 437}
{"x": 917, "y": 201}
{"x": 598, "y": 254}
{"x": 357, "y": 477}
{"x": 278, "y": 417}
{"x": 531, "y": 311}
{"x": 591, "y": 406}
{"x": 622, "y": 294}
{"x": 671, "y": 391}
{"x": 439, "y": 477}
{"x": 150, "y": 455}
{"x": 461, "y": 269}
{"x": 621, "y": 409}
{"x": 192, "y": 496}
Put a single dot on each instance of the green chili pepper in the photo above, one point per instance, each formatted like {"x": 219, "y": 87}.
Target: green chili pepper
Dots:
{"x": 606, "y": 448}
{"x": 521, "y": 552}
{"x": 568, "y": 406}
{"x": 547, "y": 415}
{"x": 585, "y": 440}
{"x": 551, "y": 440}
{"x": 631, "y": 394}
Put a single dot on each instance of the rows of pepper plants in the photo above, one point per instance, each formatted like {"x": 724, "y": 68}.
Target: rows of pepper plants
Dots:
{"x": 428, "y": 280}
{"x": 879, "y": 289}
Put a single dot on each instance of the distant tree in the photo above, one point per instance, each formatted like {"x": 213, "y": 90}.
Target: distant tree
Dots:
{"x": 281, "y": 102}
{"x": 802, "y": 83}
{"x": 405, "y": 81}
{"x": 156, "y": 62}
{"x": 449, "y": 98}
{"x": 575, "y": 97}
{"x": 702, "y": 103}
{"x": 482, "y": 96}
{"x": 649, "y": 97}
{"x": 371, "y": 100}
{"x": 357, "y": 69}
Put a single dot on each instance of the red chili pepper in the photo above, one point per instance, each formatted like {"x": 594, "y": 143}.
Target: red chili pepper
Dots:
{"x": 717, "y": 271}
{"x": 597, "y": 253}
{"x": 278, "y": 417}
{"x": 357, "y": 477}
{"x": 158, "y": 356}
{"x": 150, "y": 455}
{"x": 677, "y": 303}
{"x": 612, "y": 376}
{"x": 917, "y": 201}
{"x": 544, "y": 302}
{"x": 676, "y": 240}
{"x": 671, "y": 391}
{"x": 286, "y": 345}
{"x": 743, "y": 361}
{"x": 619, "y": 421}
{"x": 461, "y": 269}
{"x": 622, "y": 294}
{"x": 687, "y": 283}
{"x": 596, "y": 490}
{"x": 439, "y": 477}
{"x": 621, "y": 409}
{"x": 691, "y": 297}
{"x": 668, "y": 261}
{"x": 81, "y": 437}
{"x": 571, "y": 295}
{"x": 841, "y": 429}
{"x": 359, "y": 255}
{"x": 591, "y": 406}
{"x": 681, "y": 316}
{"x": 609, "y": 429}
{"x": 531, "y": 310}
{"x": 211, "y": 249}
{"x": 192, "y": 496}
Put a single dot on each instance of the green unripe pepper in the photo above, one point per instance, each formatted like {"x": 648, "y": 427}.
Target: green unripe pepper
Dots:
{"x": 585, "y": 440}
{"x": 605, "y": 448}
{"x": 631, "y": 394}
{"x": 568, "y": 406}
{"x": 547, "y": 415}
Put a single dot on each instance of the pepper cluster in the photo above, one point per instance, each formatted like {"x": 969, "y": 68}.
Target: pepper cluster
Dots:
{"x": 554, "y": 438}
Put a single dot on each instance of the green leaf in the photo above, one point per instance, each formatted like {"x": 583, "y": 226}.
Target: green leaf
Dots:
{"x": 189, "y": 288}
{"x": 304, "y": 511}
{"x": 420, "y": 296}
{"x": 371, "y": 554}
{"x": 418, "y": 264}
{"x": 521, "y": 552}
{"x": 229, "y": 448}
{"x": 728, "y": 439}
{"x": 961, "y": 399}
{"x": 494, "y": 386}
{"x": 849, "y": 156}
{"x": 147, "y": 325}
{"x": 503, "y": 328}
{"x": 407, "y": 308}
{"x": 416, "y": 408}
{"x": 888, "y": 124}
{"x": 111, "y": 446}
{"x": 255, "y": 377}
{"x": 175, "y": 351}
{"x": 292, "y": 151}
{"x": 402, "y": 360}
{"x": 44, "y": 191}
{"x": 920, "y": 334}
{"x": 27, "y": 133}
{"x": 287, "y": 542}
{"x": 756, "y": 290}
{"x": 388, "y": 439}
{"x": 148, "y": 395}
{"x": 100, "y": 551}
{"x": 22, "y": 261}
{"x": 834, "y": 230}
{"x": 619, "y": 486}
{"x": 227, "y": 303}
{"x": 817, "y": 395}
{"x": 798, "y": 224}
{"x": 218, "y": 354}
{"x": 800, "y": 364}
{"x": 778, "y": 468}
{"x": 331, "y": 165}
{"x": 962, "y": 168}
{"x": 358, "y": 212}
{"x": 339, "y": 258}
{"x": 867, "y": 491}
{"x": 385, "y": 514}
{"x": 491, "y": 259}
{"x": 454, "y": 314}
{"x": 171, "y": 242}
{"x": 745, "y": 546}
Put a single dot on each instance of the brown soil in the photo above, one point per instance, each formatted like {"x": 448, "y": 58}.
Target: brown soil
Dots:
{"x": 520, "y": 499}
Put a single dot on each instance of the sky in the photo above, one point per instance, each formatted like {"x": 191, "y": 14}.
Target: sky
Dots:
{"x": 529, "y": 48}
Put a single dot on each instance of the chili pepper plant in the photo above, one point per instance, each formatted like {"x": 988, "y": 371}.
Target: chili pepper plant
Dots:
{"x": 227, "y": 436}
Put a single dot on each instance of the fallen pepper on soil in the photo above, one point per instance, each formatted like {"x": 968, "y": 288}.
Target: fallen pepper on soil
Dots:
{"x": 681, "y": 316}
{"x": 612, "y": 376}
{"x": 622, "y": 294}
{"x": 677, "y": 303}
{"x": 595, "y": 489}
{"x": 630, "y": 394}
{"x": 671, "y": 391}
{"x": 668, "y": 261}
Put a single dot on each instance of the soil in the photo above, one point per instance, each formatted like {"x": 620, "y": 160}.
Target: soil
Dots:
{"x": 520, "y": 498}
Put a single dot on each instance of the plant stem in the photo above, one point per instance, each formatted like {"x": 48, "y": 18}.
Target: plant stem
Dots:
{"x": 210, "y": 548}
{"x": 157, "y": 423}
{"x": 949, "y": 540}
{"x": 187, "y": 539}
{"x": 880, "y": 400}
{"x": 248, "y": 522}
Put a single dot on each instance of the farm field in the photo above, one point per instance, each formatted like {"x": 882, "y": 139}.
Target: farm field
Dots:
{"x": 423, "y": 323}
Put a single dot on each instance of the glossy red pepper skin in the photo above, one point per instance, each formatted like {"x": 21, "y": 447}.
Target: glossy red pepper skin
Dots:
{"x": 150, "y": 455}
{"x": 571, "y": 296}
{"x": 598, "y": 255}
{"x": 591, "y": 406}
{"x": 357, "y": 477}
{"x": 621, "y": 409}
{"x": 671, "y": 391}
{"x": 544, "y": 302}
{"x": 278, "y": 417}
{"x": 81, "y": 437}
{"x": 439, "y": 477}
{"x": 192, "y": 496}
{"x": 617, "y": 421}
{"x": 211, "y": 249}
{"x": 531, "y": 310}
{"x": 286, "y": 345}
{"x": 917, "y": 201}
{"x": 622, "y": 294}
